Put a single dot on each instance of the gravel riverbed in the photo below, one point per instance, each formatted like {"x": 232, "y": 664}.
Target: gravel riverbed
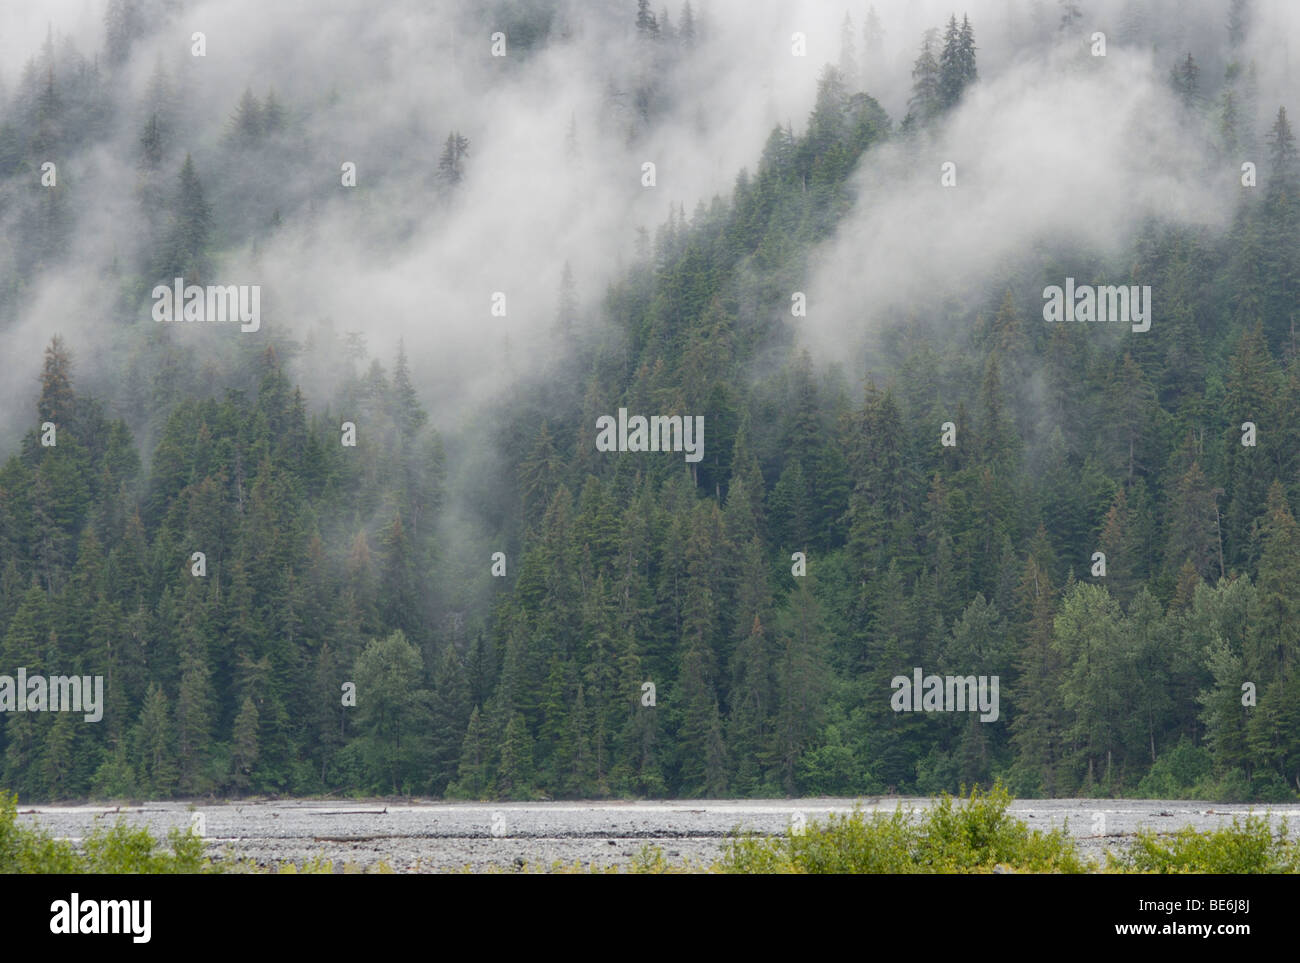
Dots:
{"x": 427, "y": 836}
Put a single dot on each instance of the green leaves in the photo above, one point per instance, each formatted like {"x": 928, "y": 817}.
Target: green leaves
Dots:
{"x": 1248, "y": 846}
{"x": 974, "y": 836}
{"x": 114, "y": 849}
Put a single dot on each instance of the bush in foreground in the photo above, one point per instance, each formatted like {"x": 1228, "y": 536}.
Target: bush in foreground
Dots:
{"x": 972, "y": 837}
{"x": 116, "y": 849}
{"x": 1248, "y": 847}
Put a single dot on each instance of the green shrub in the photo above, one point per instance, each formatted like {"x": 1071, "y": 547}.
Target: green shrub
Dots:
{"x": 115, "y": 849}
{"x": 1269, "y": 785}
{"x": 24, "y": 850}
{"x": 1232, "y": 786}
{"x": 972, "y": 837}
{"x": 1177, "y": 773}
{"x": 1248, "y": 847}
{"x": 123, "y": 849}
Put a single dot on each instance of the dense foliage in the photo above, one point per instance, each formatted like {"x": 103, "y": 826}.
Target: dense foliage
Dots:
{"x": 109, "y": 849}
{"x": 978, "y": 835}
{"x": 972, "y": 836}
{"x": 327, "y": 564}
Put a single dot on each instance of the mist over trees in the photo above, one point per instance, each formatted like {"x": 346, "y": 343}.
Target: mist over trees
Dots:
{"x": 1169, "y": 671}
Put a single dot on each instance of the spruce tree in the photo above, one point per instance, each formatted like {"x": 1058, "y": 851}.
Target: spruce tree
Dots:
{"x": 647, "y": 27}
{"x": 472, "y": 781}
{"x": 450, "y": 716}
{"x": 848, "y": 52}
{"x": 194, "y": 710}
{"x": 154, "y": 745}
{"x": 451, "y": 163}
{"x": 957, "y": 68}
{"x": 186, "y": 250}
{"x": 1185, "y": 79}
{"x": 927, "y": 94}
{"x": 248, "y": 123}
{"x": 244, "y": 746}
{"x": 514, "y": 774}
{"x": 1282, "y": 156}
{"x": 687, "y": 29}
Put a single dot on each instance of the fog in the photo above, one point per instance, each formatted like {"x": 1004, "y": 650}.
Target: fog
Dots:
{"x": 1051, "y": 144}
{"x": 1055, "y": 148}
{"x": 382, "y": 87}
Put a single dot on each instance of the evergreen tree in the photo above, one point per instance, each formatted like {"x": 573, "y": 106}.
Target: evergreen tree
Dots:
{"x": 408, "y": 413}
{"x": 472, "y": 776}
{"x": 567, "y": 311}
{"x": 687, "y": 29}
{"x": 801, "y": 679}
{"x": 752, "y": 696}
{"x": 151, "y": 144}
{"x": 873, "y": 44}
{"x": 185, "y": 252}
{"x": 273, "y": 114}
{"x": 848, "y": 51}
{"x": 451, "y": 712}
{"x": 1282, "y": 150}
{"x": 123, "y": 23}
{"x": 1038, "y": 726}
{"x": 1253, "y": 384}
{"x": 957, "y": 68}
{"x": 58, "y": 402}
{"x": 927, "y": 92}
{"x": 1185, "y": 79}
{"x": 248, "y": 123}
{"x": 451, "y": 163}
{"x": 244, "y": 745}
{"x": 1193, "y": 526}
{"x": 1238, "y": 22}
{"x": 647, "y": 27}
{"x": 1273, "y": 647}
{"x": 194, "y": 717}
{"x": 514, "y": 775}
{"x": 154, "y": 746}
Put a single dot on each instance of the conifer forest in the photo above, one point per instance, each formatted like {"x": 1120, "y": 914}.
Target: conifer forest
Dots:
{"x": 546, "y": 400}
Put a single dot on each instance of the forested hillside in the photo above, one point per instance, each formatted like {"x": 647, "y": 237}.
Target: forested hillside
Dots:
{"x": 1172, "y": 670}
